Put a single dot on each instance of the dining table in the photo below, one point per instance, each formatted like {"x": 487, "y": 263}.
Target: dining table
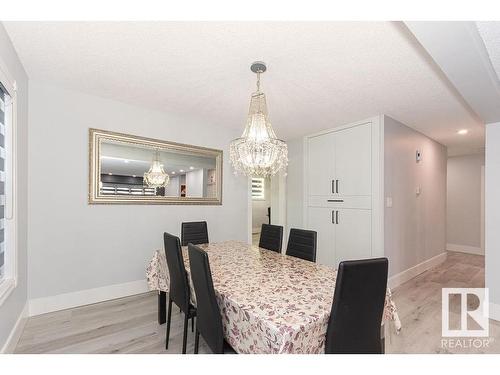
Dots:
{"x": 269, "y": 302}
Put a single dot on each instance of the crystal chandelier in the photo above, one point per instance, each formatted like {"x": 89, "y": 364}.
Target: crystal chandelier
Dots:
{"x": 156, "y": 176}
{"x": 258, "y": 152}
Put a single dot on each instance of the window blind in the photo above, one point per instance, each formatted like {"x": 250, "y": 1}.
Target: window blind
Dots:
{"x": 258, "y": 188}
{"x": 3, "y": 98}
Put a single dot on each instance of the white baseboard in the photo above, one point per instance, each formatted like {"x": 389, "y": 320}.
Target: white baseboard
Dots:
{"x": 464, "y": 249}
{"x": 495, "y": 312}
{"x": 64, "y": 301}
{"x": 414, "y": 271}
{"x": 17, "y": 330}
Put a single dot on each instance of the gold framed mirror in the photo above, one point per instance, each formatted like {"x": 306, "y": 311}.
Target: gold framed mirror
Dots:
{"x": 129, "y": 169}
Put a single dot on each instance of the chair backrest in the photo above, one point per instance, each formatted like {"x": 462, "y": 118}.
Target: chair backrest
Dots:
{"x": 302, "y": 244}
{"x": 271, "y": 237}
{"x": 208, "y": 317}
{"x": 195, "y": 232}
{"x": 358, "y": 306}
{"x": 179, "y": 285}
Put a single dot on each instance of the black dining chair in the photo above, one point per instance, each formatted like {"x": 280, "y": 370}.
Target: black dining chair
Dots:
{"x": 179, "y": 285}
{"x": 208, "y": 320}
{"x": 302, "y": 244}
{"x": 355, "y": 321}
{"x": 271, "y": 237}
{"x": 195, "y": 232}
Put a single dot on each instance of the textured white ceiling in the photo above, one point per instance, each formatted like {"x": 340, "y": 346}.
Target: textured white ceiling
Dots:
{"x": 490, "y": 33}
{"x": 319, "y": 74}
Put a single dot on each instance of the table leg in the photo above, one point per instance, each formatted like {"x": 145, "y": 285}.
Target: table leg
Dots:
{"x": 162, "y": 307}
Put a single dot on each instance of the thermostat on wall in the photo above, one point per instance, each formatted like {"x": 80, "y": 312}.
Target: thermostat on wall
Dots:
{"x": 418, "y": 156}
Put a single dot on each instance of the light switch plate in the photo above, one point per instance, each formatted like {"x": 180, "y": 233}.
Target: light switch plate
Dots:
{"x": 418, "y": 155}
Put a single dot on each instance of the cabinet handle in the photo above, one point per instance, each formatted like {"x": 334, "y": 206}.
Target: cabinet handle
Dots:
{"x": 335, "y": 200}
{"x": 333, "y": 218}
{"x": 337, "y": 217}
{"x": 337, "y": 186}
{"x": 333, "y": 186}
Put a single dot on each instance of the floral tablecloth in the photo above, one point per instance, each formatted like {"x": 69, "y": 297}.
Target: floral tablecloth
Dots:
{"x": 270, "y": 302}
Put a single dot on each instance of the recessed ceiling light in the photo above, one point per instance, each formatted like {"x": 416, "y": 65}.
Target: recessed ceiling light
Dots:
{"x": 134, "y": 175}
{"x": 462, "y": 131}
{"x": 191, "y": 168}
{"x": 181, "y": 170}
{"x": 126, "y": 161}
{"x": 111, "y": 174}
{"x": 173, "y": 172}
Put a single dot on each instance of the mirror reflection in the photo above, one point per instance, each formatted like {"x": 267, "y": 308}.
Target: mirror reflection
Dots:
{"x": 145, "y": 171}
{"x": 129, "y": 169}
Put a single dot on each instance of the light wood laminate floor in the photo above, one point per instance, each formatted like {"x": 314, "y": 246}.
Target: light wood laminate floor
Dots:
{"x": 129, "y": 325}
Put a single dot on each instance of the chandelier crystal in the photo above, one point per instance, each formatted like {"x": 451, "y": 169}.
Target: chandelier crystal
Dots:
{"x": 156, "y": 176}
{"x": 258, "y": 152}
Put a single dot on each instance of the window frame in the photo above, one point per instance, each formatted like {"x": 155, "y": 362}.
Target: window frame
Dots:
{"x": 9, "y": 281}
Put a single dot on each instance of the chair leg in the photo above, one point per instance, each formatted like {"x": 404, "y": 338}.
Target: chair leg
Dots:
{"x": 196, "y": 341}
{"x": 169, "y": 317}
{"x": 382, "y": 339}
{"x": 192, "y": 324}
{"x": 162, "y": 307}
{"x": 184, "y": 339}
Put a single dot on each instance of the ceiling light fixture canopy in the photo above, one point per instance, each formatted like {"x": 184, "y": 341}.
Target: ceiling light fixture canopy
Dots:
{"x": 156, "y": 176}
{"x": 258, "y": 152}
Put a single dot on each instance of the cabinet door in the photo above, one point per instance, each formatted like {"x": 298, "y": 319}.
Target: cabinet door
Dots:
{"x": 353, "y": 235}
{"x": 353, "y": 156}
{"x": 320, "y": 220}
{"x": 321, "y": 164}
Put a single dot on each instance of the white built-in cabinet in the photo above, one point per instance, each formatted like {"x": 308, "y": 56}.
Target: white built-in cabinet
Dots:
{"x": 341, "y": 191}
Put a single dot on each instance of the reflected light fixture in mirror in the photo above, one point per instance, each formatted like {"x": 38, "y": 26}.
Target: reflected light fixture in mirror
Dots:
{"x": 156, "y": 176}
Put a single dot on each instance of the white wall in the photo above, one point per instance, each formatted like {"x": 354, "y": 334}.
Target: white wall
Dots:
{"x": 13, "y": 306}
{"x": 464, "y": 203}
{"x": 492, "y": 226}
{"x": 415, "y": 225}
{"x": 295, "y": 185}
{"x": 75, "y": 246}
{"x": 278, "y": 199}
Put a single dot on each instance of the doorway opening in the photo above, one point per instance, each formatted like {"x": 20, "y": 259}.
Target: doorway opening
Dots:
{"x": 267, "y": 204}
{"x": 261, "y": 206}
